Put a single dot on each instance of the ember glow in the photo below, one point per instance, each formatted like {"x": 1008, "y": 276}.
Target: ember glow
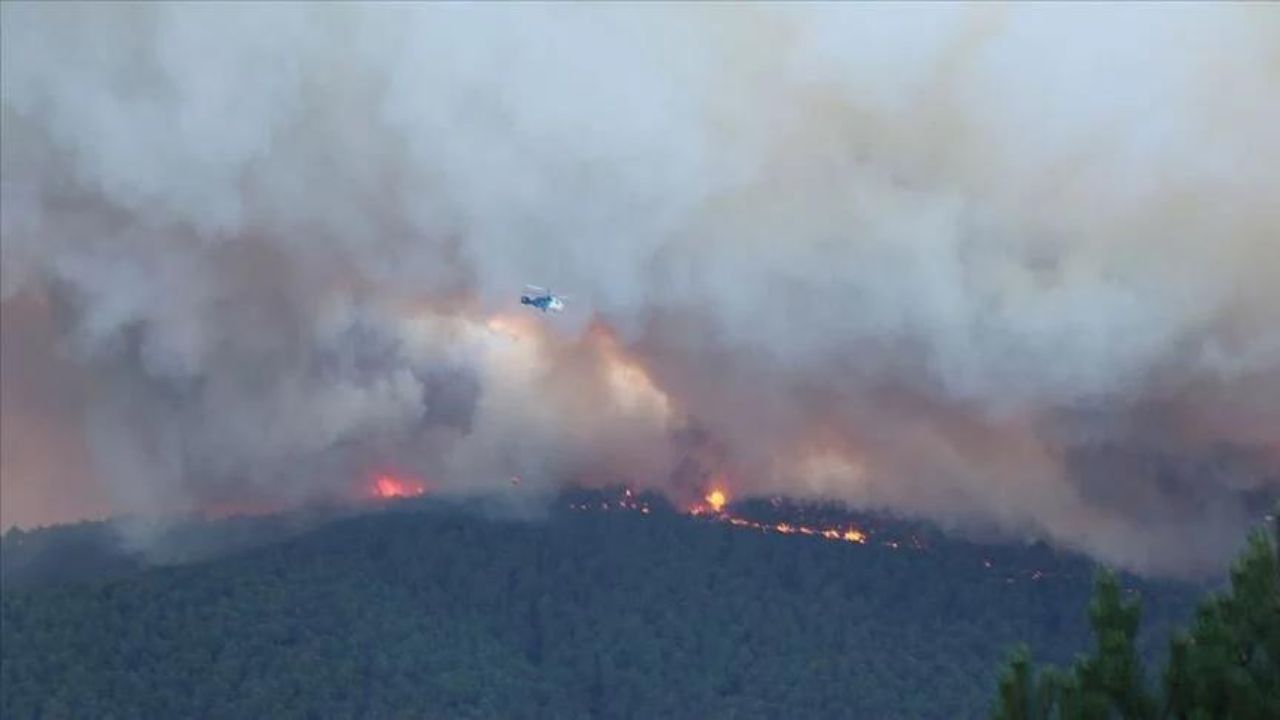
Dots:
{"x": 388, "y": 487}
{"x": 715, "y": 507}
{"x": 628, "y": 502}
{"x": 843, "y": 534}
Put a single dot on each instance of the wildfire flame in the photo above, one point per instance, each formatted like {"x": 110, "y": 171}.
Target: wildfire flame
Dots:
{"x": 388, "y": 487}
{"x": 716, "y": 499}
{"x": 848, "y": 534}
{"x": 714, "y": 505}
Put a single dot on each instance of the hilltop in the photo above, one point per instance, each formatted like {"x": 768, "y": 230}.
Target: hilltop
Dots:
{"x": 434, "y": 610}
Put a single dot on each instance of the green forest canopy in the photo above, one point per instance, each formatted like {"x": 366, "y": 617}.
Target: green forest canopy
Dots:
{"x": 429, "y": 610}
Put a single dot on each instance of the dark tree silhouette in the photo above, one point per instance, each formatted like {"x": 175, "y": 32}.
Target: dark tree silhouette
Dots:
{"x": 1226, "y": 666}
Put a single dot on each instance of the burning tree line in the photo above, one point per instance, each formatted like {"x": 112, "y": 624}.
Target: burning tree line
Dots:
{"x": 776, "y": 516}
{"x": 773, "y": 515}
{"x": 434, "y": 612}
{"x": 715, "y": 507}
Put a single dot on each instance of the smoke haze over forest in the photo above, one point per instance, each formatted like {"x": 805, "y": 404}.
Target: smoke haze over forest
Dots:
{"x": 1006, "y": 267}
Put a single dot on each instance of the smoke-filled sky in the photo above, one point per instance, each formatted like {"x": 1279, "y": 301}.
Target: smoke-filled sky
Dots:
{"x": 1005, "y": 267}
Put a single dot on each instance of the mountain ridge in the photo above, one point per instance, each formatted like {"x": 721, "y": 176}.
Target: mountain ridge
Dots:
{"x": 435, "y": 610}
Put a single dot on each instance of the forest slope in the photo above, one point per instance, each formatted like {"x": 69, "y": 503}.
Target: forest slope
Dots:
{"x": 428, "y": 610}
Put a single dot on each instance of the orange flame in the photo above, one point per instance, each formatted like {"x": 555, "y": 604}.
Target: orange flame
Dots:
{"x": 714, "y": 509}
{"x": 846, "y": 534}
{"x": 714, "y": 506}
{"x": 852, "y": 535}
{"x": 387, "y": 487}
{"x": 716, "y": 499}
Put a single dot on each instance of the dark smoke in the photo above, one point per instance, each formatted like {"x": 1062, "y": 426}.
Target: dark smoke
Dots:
{"x": 1007, "y": 266}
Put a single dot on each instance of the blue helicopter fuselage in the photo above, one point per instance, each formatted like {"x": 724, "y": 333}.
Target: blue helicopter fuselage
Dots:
{"x": 542, "y": 302}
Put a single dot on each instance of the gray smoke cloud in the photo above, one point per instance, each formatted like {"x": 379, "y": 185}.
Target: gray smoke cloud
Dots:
{"x": 999, "y": 266}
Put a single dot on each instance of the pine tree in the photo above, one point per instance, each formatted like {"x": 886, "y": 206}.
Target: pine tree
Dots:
{"x": 1112, "y": 680}
{"x": 1227, "y": 666}
{"x": 1020, "y": 699}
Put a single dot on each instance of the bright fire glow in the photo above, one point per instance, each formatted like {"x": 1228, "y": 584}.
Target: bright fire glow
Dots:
{"x": 389, "y": 486}
{"x": 716, "y": 499}
{"x": 715, "y": 507}
{"x": 630, "y": 386}
{"x": 511, "y": 326}
{"x": 848, "y": 534}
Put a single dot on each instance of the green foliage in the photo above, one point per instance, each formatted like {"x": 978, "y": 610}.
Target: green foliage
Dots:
{"x": 442, "y": 614}
{"x": 1022, "y": 695}
{"x": 1227, "y": 666}
{"x": 1110, "y": 682}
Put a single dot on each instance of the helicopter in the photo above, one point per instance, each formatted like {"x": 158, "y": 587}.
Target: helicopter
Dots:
{"x": 543, "y": 299}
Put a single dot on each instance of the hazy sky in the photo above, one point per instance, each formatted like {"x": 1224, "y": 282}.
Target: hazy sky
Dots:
{"x": 999, "y": 266}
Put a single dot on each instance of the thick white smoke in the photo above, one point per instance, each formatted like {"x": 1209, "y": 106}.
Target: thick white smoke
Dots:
{"x": 995, "y": 265}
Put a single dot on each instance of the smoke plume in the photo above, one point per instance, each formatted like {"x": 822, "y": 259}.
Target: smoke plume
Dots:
{"x": 1005, "y": 267}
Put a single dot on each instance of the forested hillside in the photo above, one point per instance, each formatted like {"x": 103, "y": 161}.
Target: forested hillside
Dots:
{"x": 427, "y": 610}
